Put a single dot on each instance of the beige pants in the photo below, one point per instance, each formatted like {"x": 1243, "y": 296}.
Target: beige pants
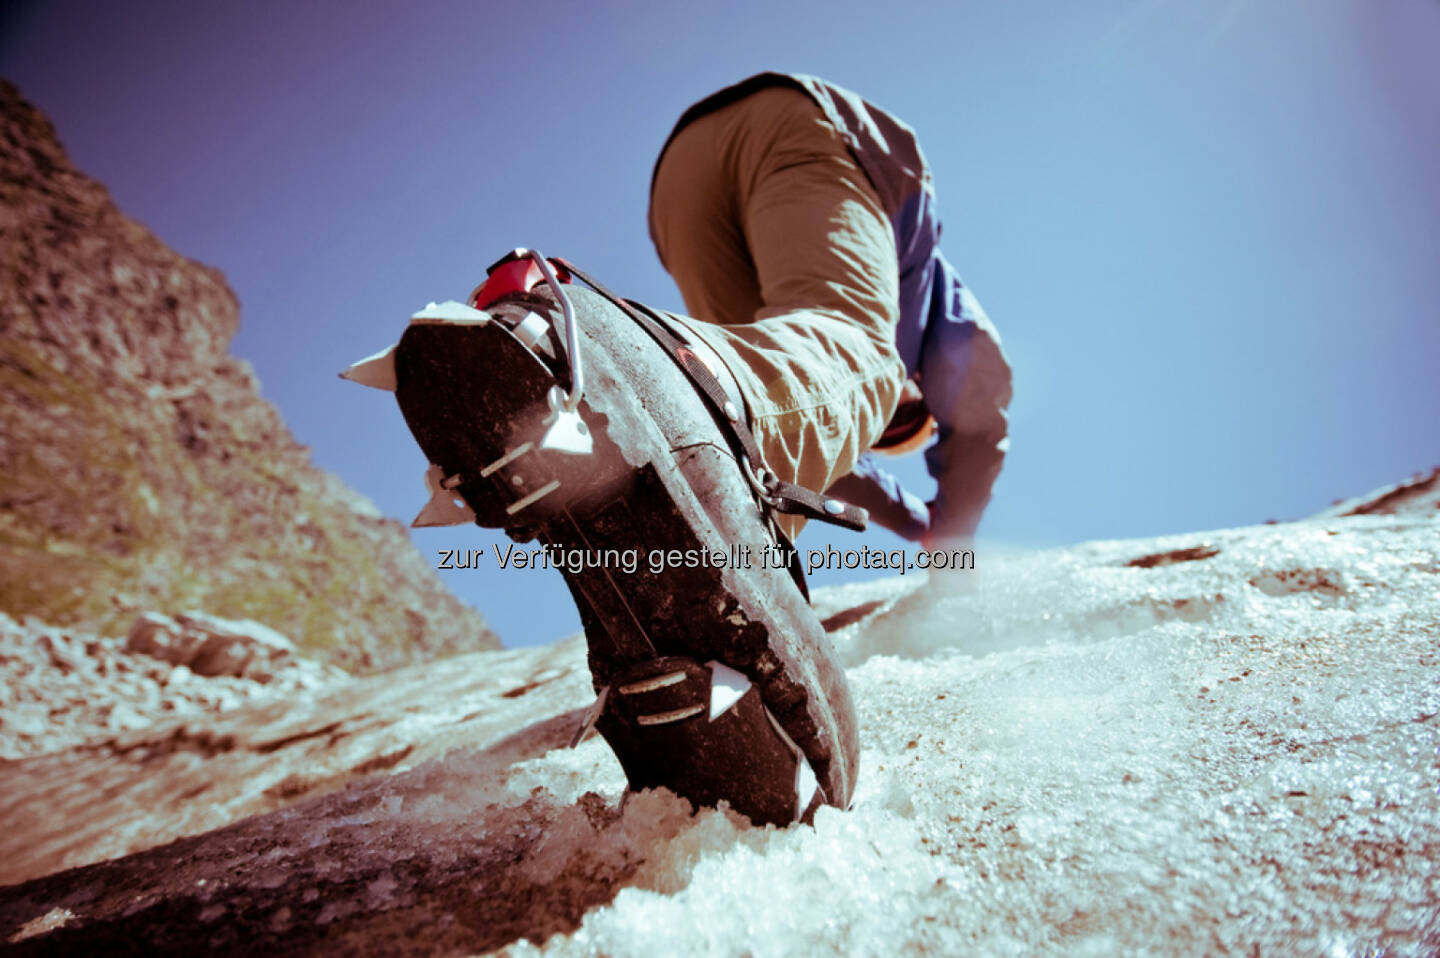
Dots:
{"x": 781, "y": 248}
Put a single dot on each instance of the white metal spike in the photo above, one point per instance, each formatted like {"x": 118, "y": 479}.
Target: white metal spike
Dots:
{"x": 445, "y": 507}
{"x": 726, "y": 688}
{"x": 567, "y": 432}
{"x": 377, "y": 371}
{"x": 450, "y": 311}
{"x": 806, "y": 785}
{"x": 592, "y": 715}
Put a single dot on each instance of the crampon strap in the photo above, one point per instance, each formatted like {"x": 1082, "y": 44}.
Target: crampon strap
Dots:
{"x": 785, "y": 497}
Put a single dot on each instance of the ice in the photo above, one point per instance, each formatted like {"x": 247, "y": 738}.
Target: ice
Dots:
{"x": 1074, "y": 755}
{"x": 1225, "y": 743}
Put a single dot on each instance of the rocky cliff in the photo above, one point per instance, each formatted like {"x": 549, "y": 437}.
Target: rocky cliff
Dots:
{"x": 139, "y": 466}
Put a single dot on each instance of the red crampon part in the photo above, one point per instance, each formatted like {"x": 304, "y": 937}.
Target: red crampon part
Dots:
{"x": 515, "y": 272}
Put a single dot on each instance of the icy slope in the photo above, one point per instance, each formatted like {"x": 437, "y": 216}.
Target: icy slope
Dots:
{"x": 1217, "y": 754}
{"x": 1218, "y": 743}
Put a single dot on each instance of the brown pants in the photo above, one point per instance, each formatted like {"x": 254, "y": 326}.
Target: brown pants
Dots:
{"x": 781, "y": 249}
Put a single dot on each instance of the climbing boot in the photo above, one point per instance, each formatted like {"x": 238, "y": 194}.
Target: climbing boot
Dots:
{"x": 589, "y": 424}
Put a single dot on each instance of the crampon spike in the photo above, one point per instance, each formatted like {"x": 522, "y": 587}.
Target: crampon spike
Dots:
{"x": 377, "y": 371}
{"x": 726, "y": 687}
{"x": 445, "y": 507}
{"x": 450, "y": 311}
{"x": 567, "y": 432}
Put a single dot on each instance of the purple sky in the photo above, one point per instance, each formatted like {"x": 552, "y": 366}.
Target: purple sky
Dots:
{"x": 1208, "y": 233}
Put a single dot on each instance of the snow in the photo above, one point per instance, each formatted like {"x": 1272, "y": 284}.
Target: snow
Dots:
{"x": 1082, "y": 756}
{"x": 1214, "y": 743}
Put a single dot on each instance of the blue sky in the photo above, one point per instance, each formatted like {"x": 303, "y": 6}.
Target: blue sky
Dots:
{"x": 1208, "y": 233}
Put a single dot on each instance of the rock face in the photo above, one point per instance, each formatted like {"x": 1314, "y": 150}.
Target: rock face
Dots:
{"x": 211, "y": 646}
{"x": 60, "y": 688}
{"x": 139, "y": 467}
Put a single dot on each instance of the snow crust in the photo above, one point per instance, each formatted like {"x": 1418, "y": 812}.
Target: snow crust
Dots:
{"x": 1077, "y": 755}
{"x": 1221, "y": 743}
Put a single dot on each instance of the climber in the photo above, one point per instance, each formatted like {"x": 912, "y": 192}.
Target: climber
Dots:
{"x": 799, "y": 222}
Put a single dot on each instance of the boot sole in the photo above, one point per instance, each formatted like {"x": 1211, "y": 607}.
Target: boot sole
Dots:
{"x": 660, "y": 477}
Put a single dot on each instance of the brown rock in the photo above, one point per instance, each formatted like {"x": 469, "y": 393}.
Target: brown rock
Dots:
{"x": 138, "y": 459}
